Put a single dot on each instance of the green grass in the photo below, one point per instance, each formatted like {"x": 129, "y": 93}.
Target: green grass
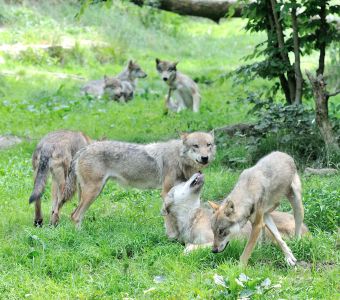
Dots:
{"x": 122, "y": 246}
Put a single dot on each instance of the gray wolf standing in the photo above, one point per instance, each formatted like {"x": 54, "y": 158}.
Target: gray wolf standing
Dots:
{"x": 257, "y": 193}
{"x": 142, "y": 166}
{"x": 54, "y": 154}
{"x": 184, "y": 90}
{"x": 128, "y": 78}
{"x": 193, "y": 221}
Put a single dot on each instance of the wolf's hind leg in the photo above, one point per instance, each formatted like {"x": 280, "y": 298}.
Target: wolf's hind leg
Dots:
{"x": 290, "y": 259}
{"x": 295, "y": 199}
{"x": 38, "y": 219}
{"x": 58, "y": 186}
{"x": 54, "y": 214}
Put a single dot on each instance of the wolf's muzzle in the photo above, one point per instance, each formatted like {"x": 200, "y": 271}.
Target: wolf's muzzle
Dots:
{"x": 204, "y": 160}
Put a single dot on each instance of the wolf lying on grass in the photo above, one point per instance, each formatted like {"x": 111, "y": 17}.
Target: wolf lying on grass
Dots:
{"x": 193, "y": 221}
{"x": 184, "y": 90}
{"x": 142, "y": 166}
{"x": 54, "y": 154}
{"x": 256, "y": 194}
{"x": 118, "y": 90}
{"x": 121, "y": 88}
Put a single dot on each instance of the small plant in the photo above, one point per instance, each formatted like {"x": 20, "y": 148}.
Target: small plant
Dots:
{"x": 244, "y": 287}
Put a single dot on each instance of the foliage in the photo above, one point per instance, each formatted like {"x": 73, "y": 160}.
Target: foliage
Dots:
{"x": 290, "y": 128}
{"x": 312, "y": 29}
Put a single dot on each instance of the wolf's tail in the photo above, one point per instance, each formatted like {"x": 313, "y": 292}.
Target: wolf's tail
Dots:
{"x": 41, "y": 177}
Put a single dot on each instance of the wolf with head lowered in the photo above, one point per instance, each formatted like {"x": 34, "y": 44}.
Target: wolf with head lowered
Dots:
{"x": 150, "y": 166}
{"x": 256, "y": 194}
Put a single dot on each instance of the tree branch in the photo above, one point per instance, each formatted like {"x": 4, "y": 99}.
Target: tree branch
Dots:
{"x": 211, "y": 9}
{"x": 333, "y": 94}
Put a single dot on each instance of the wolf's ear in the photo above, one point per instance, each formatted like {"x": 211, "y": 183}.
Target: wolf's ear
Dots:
{"x": 130, "y": 65}
{"x": 174, "y": 65}
{"x": 214, "y": 205}
{"x": 212, "y": 133}
{"x": 106, "y": 78}
{"x": 183, "y": 136}
{"x": 229, "y": 208}
{"x": 158, "y": 61}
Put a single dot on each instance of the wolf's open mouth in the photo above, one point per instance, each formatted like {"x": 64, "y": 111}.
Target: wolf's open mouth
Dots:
{"x": 199, "y": 179}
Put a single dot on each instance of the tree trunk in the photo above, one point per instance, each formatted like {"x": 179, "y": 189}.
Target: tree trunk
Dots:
{"x": 283, "y": 51}
{"x": 321, "y": 34}
{"x": 321, "y": 111}
{"x": 270, "y": 31}
{"x": 211, "y": 9}
{"x": 298, "y": 74}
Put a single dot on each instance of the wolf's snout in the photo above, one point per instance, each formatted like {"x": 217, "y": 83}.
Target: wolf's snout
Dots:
{"x": 214, "y": 250}
{"x": 204, "y": 159}
{"x": 165, "y": 79}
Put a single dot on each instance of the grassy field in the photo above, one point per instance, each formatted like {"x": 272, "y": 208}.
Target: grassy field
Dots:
{"x": 122, "y": 251}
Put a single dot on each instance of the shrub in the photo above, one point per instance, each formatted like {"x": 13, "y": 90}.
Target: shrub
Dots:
{"x": 289, "y": 128}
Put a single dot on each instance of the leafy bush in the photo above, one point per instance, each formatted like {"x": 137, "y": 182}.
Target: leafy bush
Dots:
{"x": 289, "y": 128}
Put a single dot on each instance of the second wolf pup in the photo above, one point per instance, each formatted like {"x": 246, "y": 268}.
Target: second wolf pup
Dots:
{"x": 257, "y": 193}
{"x": 142, "y": 166}
{"x": 118, "y": 90}
{"x": 183, "y": 91}
{"x": 130, "y": 75}
{"x": 193, "y": 221}
{"x": 54, "y": 154}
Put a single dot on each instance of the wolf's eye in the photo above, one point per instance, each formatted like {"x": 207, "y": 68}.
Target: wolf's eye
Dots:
{"x": 209, "y": 145}
{"x": 195, "y": 146}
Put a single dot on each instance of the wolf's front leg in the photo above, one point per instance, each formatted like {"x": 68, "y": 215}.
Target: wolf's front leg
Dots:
{"x": 169, "y": 221}
{"x": 171, "y": 227}
{"x": 196, "y": 100}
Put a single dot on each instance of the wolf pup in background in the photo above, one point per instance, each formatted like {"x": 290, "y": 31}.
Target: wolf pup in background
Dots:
{"x": 54, "y": 154}
{"x": 193, "y": 221}
{"x": 118, "y": 90}
{"x": 183, "y": 91}
{"x": 142, "y": 166}
{"x": 257, "y": 193}
{"x": 128, "y": 77}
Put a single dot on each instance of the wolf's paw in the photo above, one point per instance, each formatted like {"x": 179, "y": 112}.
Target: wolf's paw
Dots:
{"x": 291, "y": 260}
{"x": 54, "y": 219}
{"x": 38, "y": 223}
{"x": 189, "y": 248}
